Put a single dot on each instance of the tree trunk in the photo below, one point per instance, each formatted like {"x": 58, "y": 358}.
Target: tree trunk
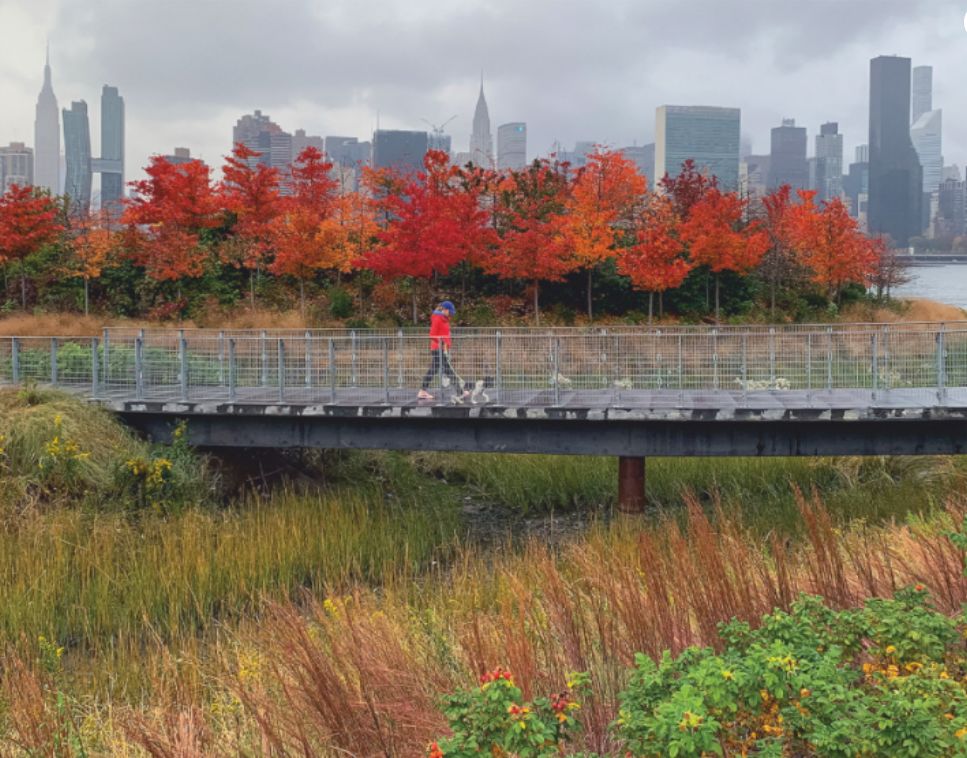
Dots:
{"x": 717, "y": 282}
{"x": 708, "y": 295}
{"x": 661, "y": 304}
{"x": 87, "y": 296}
{"x": 302, "y": 297}
{"x": 590, "y": 277}
{"x": 251, "y": 289}
{"x": 651, "y": 306}
{"x": 772, "y": 297}
{"x": 537, "y": 303}
{"x": 23, "y": 284}
{"x": 413, "y": 294}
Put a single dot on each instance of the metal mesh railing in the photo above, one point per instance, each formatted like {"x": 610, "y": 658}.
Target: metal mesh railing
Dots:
{"x": 907, "y": 364}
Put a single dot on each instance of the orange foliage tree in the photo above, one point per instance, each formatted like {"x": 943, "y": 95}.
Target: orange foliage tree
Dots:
{"x": 93, "y": 243}
{"x": 778, "y": 263}
{"x": 29, "y": 219}
{"x": 528, "y": 211}
{"x": 655, "y": 260}
{"x": 717, "y": 236}
{"x": 831, "y": 244}
{"x": 606, "y": 194}
{"x": 173, "y": 210}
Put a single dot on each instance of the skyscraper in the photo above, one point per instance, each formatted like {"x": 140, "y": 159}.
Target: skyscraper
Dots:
{"x": 47, "y": 136}
{"x": 400, "y": 150}
{"x": 644, "y": 160}
{"x": 77, "y": 148}
{"x": 111, "y": 163}
{"x": 512, "y": 145}
{"x": 828, "y": 181}
{"x": 922, "y": 92}
{"x": 16, "y": 166}
{"x": 707, "y": 135}
{"x": 787, "y": 160}
{"x": 927, "y": 136}
{"x": 896, "y": 178}
{"x": 481, "y": 141}
{"x": 301, "y": 140}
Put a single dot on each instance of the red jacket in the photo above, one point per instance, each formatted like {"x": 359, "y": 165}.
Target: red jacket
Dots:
{"x": 439, "y": 329}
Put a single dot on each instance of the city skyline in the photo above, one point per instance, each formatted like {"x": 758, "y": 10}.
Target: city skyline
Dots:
{"x": 179, "y": 94}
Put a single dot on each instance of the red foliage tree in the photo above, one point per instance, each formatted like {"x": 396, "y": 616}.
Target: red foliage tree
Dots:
{"x": 779, "y": 262}
{"x": 432, "y": 223}
{"x": 655, "y": 261}
{"x": 528, "y": 209}
{"x": 250, "y": 189}
{"x": 688, "y": 188}
{"x": 606, "y": 194}
{"x": 169, "y": 216}
{"x": 831, "y": 245}
{"x": 29, "y": 219}
{"x": 717, "y": 237}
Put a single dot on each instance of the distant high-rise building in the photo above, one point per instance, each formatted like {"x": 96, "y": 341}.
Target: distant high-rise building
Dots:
{"x": 922, "y": 92}
{"x": 77, "y": 148}
{"x": 862, "y": 154}
{"x": 274, "y": 145}
{"x": 707, "y": 135}
{"x": 828, "y": 179}
{"x": 111, "y": 163}
{"x": 644, "y": 159}
{"x": 787, "y": 159}
{"x": 512, "y": 145}
{"x": 952, "y": 172}
{"x": 951, "y": 218}
{"x": 927, "y": 136}
{"x": 754, "y": 176}
{"x": 301, "y": 140}
{"x": 439, "y": 141}
{"x": 856, "y": 187}
{"x": 399, "y": 149}
{"x": 349, "y": 151}
{"x": 896, "y": 178}
{"x": 180, "y": 156}
{"x": 47, "y": 136}
{"x": 16, "y": 166}
{"x": 481, "y": 141}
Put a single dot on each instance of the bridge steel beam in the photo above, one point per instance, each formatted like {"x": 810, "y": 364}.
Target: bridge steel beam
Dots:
{"x": 942, "y": 433}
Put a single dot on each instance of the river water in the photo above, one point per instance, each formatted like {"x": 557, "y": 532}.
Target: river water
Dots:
{"x": 945, "y": 283}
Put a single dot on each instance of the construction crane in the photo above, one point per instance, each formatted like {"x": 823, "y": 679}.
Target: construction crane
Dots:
{"x": 438, "y": 129}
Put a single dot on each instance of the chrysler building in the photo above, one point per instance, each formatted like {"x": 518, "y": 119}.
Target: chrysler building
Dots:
{"x": 481, "y": 141}
{"x": 47, "y": 137}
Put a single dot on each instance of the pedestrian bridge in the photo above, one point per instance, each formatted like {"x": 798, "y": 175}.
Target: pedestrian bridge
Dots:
{"x": 630, "y": 392}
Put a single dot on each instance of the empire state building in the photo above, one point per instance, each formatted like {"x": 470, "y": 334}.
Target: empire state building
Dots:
{"x": 481, "y": 141}
{"x": 47, "y": 137}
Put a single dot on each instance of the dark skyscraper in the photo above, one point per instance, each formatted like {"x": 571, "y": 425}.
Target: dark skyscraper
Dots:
{"x": 111, "y": 163}
{"x": 896, "y": 183}
{"x": 398, "y": 149}
{"x": 787, "y": 160}
{"x": 77, "y": 149}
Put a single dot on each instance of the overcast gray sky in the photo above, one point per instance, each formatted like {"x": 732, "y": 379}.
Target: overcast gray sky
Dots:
{"x": 572, "y": 69}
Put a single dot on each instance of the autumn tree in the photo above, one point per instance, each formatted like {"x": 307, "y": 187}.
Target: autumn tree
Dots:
{"x": 251, "y": 191}
{"x": 655, "y": 261}
{"x": 687, "y": 188}
{"x": 169, "y": 217}
{"x": 831, "y": 245}
{"x": 431, "y": 223}
{"x": 29, "y": 219}
{"x": 718, "y": 237}
{"x": 605, "y": 196}
{"x": 92, "y": 246}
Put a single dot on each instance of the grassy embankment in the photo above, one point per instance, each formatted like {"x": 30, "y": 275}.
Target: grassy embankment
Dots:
{"x": 153, "y": 585}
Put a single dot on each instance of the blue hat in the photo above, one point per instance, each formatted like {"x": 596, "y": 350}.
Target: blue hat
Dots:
{"x": 448, "y": 306}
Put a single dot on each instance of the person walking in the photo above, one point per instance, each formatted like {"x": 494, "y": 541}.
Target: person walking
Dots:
{"x": 440, "y": 342}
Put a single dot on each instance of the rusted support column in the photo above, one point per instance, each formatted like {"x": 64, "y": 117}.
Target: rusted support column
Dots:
{"x": 631, "y": 485}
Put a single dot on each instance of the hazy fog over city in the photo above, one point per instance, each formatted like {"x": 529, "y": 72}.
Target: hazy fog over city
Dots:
{"x": 572, "y": 70}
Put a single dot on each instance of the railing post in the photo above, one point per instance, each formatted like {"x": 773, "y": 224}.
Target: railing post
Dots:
{"x": 308, "y": 360}
{"x": 874, "y": 365}
{"x": 809, "y": 361}
{"x": 232, "y": 370}
{"x": 681, "y": 365}
{"x": 715, "y": 359}
{"x": 139, "y": 368}
{"x": 885, "y": 358}
{"x": 658, "y": 361}
{"x": 221, "y": 359}
{"x": 94, "y": 365}
{"x": 264, "y": 359}
{"x": 53, "y": 361}
{"x": 399, "y": 358}
{"x": 745, "y": 366}
{"x": 15, "y": 359}
{"x": 332, "y": 369}
{"x": 555, "y": 362}
{"x": 497, "y": 367}
{"x": 354, "y": 375}
{"x": 941, "y": 366}
{"x": 104, "y": 356}
{"x": 772, "y": 357}
{"x": 183, "y": 361}
{"x": 829, "y": 358}
{"x": 385, "y": 370}
{"x": 281, "y": 365}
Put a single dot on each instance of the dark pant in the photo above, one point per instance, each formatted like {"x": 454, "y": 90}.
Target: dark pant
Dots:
{"x": 439, "y": 358}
